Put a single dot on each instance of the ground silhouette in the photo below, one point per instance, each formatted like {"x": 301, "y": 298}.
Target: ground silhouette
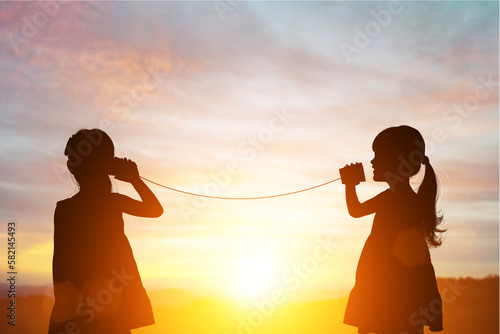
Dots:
{"x": 472, "y": 308}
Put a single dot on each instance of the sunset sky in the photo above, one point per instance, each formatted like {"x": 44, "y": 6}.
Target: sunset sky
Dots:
{"x": 252, "y": 99}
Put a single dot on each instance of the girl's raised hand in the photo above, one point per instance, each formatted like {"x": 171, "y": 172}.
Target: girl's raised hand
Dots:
{"x": 352, "y": 174}
{"x": 124, "y": 170}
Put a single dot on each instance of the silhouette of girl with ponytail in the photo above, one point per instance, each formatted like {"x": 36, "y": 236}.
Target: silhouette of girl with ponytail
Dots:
{"x": 395, "y": 290}
{"x": 97, "y": 286}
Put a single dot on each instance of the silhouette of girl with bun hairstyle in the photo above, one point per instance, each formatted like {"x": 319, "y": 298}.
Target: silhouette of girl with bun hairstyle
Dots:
{"x": 97, "y": 286}
{"x": 395, "y": 290}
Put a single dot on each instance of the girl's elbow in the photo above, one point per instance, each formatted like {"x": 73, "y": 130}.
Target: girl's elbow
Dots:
{"x": 354, "y": 213}
{"x": 154, "y": 211}
{"x": 158, "y": 212}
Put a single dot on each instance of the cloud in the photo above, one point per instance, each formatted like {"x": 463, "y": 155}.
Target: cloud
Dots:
{"x": 221, "y": 83}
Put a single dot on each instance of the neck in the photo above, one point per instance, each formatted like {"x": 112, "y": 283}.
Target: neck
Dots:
{"x": 400, "y": 186}
{"x": 95, "y": 188}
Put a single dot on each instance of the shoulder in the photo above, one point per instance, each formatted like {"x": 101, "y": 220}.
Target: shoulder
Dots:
{"x": 68, "y": 202}
{"x": 63, "y": 210}
{"x": 64, "y": 201}
{"x": 384, "y": 195}
{"x": 62, "y": 204}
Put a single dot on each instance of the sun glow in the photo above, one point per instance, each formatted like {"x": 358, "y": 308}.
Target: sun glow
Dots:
{"x": 253, "y": 277}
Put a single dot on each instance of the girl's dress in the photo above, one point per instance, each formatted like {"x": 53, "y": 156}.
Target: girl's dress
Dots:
{"x": 97, "y": 286}
{"x": 396, "y": 289}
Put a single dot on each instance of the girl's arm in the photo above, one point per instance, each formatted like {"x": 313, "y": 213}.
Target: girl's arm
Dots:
{"x": 149, "y": 206}
{"x": 355, "y": 208}
{"x": 351, "y": 176}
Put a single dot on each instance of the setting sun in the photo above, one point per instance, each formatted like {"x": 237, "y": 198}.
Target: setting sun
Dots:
{"x": 242, "y": 99}
{"x": 254, "y": 276}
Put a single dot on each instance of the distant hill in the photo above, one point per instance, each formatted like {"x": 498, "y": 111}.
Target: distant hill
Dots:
{"x": 470, "y": 306}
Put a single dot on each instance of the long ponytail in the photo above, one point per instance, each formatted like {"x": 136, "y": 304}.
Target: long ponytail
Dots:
{"x": 427, "y": 196}
{"x": 407, "y": 144}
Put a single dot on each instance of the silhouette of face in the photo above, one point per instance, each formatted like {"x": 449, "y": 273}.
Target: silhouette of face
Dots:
{"x": 383, "y": 163}
{"x": 90, "y": 153}
{"x": 396, "y": 151}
